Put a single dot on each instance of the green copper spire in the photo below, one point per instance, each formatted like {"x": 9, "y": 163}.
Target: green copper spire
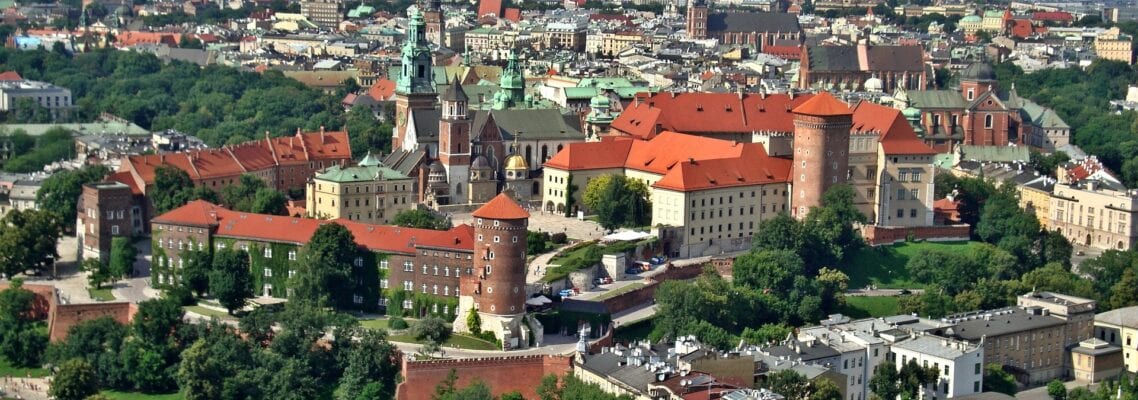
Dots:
{"x": 513, "y": 82}
{"x": 415, "y": 74}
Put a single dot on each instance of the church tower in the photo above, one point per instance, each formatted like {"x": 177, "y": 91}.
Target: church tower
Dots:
{"x": 821, "y": 150}
{"x": 512, "y": 86}
{"x": 415, "y": 86}
{"x": 454, "y": 137}
{"x": 435, "y": 21}
{"x": 599, "y": 119}
{"x": 697, "y": 20}
{"x": 497, "y": 288}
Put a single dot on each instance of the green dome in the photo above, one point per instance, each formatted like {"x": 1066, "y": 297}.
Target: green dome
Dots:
{"x": 600, "y": 101}
{"x": 911, "y": 113}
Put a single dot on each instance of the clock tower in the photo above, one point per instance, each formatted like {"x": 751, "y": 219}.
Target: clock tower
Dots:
{"x": 415, "y": 86}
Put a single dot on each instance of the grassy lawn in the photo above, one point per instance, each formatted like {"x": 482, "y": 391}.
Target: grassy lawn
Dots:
{"x": 455, "y": 340}
{"x": 7, "y": 369}
{"x": 618, "y": 292}
{"x": 866, "y": 306}
{"x": 141, "y": 396}
{"x": 103, "y": 294}
{"x": 884, "y": 266}
{"x": 578, "y": 253}
{"x": 209, "y": 312}
{"x": 377, "y": 323}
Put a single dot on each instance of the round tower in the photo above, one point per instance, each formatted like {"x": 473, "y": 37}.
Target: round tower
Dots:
{"x": 821, "y": 150}
{"x": 496, "y": 289}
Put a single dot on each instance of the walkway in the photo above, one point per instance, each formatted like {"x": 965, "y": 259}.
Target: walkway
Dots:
{"x": 24, "y": 388}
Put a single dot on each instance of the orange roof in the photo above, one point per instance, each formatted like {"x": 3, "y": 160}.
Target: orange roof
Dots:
{"x": 382, "y": 89}
{"x": 513, "y": 14}
{"x": 823, "y": 104}
{"x": 10, "y": 76}
{"x": 125, "y": 178}
{"x": 751, "y": 167}
{"x": 945, "y": 204}
{"x": 897, "y": 136}
{"x": 610, "y": 152}
{"x": 707, "y": 113}
{"x": 245, "y": 157}
{"x": 284, "y": 229}
{"x": 131, "y": 38}
{"x": 501, "y": 207}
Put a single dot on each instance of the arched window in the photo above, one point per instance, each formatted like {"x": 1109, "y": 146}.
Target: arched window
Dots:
{"x": 988, "y": 120}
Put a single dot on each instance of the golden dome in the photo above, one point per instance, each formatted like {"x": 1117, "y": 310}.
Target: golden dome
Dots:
{"x": 516, "y": 162}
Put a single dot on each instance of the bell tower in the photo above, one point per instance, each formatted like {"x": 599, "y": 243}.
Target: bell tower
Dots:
{"x": 415, "y": 86}
{"x": 821, "y": 150}
{"x": 435, "y": 21}
{"x": 697, "y": 20}
{"x": 454, "y": 135}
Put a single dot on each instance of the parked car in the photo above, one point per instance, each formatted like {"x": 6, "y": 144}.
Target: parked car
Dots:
{"x": 566, "y": 293}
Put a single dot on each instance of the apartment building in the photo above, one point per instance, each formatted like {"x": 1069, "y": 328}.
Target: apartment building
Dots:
{"x": 1114, "y": 45}
{"x": 416, "y": 271}
{"x": 326, "y": 14}
{"x": 106, "y": 210}
{"x": 1091, "y": 207}
{"x": 14, "y": 88}
{"x": 369, "y": 192}
{"x": 960, "y": 364}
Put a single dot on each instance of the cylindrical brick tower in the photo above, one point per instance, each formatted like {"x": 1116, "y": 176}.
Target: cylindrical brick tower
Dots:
{"x": 496, "y": 288}
{"x": 821, "y": 150}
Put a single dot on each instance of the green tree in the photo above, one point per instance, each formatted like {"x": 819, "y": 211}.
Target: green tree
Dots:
{"x": 123, "y": 255}
{"x": 323, "y": 276}
{"x": 548, "y": 389}
{"x": 230, "y": 280}
{"x": 240, "y": 197}
{"x": 172, "y": 189}
{"x": 419, "y": 218}
{"x": 211, "y": 367}
{"x": 432, "y": 329}
{"x": 998, "y": 380}
{"x": 768, "y": 270}
{"x": 766, "y": 334}
{"x": 195, "y": 272}
{"x": 60, "y": 192}
{"x": 74, "y": 381}
{"x": 788, "y": 383}
{"x": 824, "y": 389}
{"x": 618, "y": 201}
{"x": 370, "y": 362}
{"x": 781, "y": 232}
{"x": 913, "y": 377}
{"x": 20, "y": 342}
{"x": 1057, "y": 390}
{"x": 1125, "y": 292}
{"x": 98, "y": 272}
{"x": 884, "y": 382}
{"x": 269, "y": 201}
{"x": 156, "y": 322}
{"x": 1056, "y": 248}
{"x": 28, "y": 241}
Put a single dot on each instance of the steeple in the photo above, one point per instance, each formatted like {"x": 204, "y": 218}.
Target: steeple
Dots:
{"x": 415, "y": 75}
{"x": 512, "y": 85}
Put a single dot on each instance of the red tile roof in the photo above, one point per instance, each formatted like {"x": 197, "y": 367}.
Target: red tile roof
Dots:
{"x": 897, "y": 136}
{"x": 490, "y": 7}
{"x": 383, "y": 89}
{"x": 685, "y": 162}
{"x": 823, "y": 104}
{"x": 1052, "y": 16}
{"x": 513, "y": 14}
{"x": 284, "y": 229}
{"x": 707, "y": 113}
{"x": 245, "y": 157}
{"x": 786, "y": 52}
{"x": 125, "y": 178}
{"x": 131, "y": 38}
{"x": 501, "y": 207}
{"x": 10, "y": 76}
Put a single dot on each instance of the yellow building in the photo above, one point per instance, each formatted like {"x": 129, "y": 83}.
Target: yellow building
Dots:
{"x": 370, "y": 193}
{"x": 1114, "y": 45}
{"x": 1120, "y": 328}
{"x": 1035, "y": 197}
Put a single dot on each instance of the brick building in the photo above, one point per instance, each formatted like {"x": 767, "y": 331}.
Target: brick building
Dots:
{"x": 105, "y": 210}
{"x": 980, "y": 113}
{"x": 501, "y": 374}
{"x": 757, "y": 30}
{"x": 851, "y": 67}
{"x": 404, "y": 270}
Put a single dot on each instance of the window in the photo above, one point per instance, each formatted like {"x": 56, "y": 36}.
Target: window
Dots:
{"x": 383, "y": 283}
{"x": 407, "y": 304}
{"x": 115, "y": 230}
{"x": 383, "y": 264}
{"x": 423, "y": 287}
{"x": 497, "y": 239}
{"x": 292, "y": 255}
{"x": 359, "y": 261}
{"x": 988, "y": 121}
{"x": 912, "y": 213}
{"x": 900, "y": 213}
{"x": 977, "y": 372}
{"x": 220, "y": 246}
{"x": 268, "y": 252}
{"x": 291, "y": 273}
{"x": 915, "y": 194}
{"x": 408, "y": 266}
{"x": 268, "y": 273}
{"x": 916, "y": 175}
{"x": 903, "y": 175}
{"x": 976, "y": 386}
{"x": 408, "y": 286}
{"x": 436, "y": 270}
{"x": 435, "y": 289}
{"x": 901, "y": 194}
{"x": 424, "y": 269}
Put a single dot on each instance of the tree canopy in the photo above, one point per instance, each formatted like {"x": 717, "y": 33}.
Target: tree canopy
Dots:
{"x": 618, "y": 201}
{"x": 419, "y": 218}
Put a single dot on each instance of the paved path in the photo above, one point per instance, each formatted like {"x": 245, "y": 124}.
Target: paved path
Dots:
{"x": 540, "y": 265}
{"x": 635, "y": 314}
{"x": 24, "y": 388}
{"x": 552, "y": 223}
{"x": 881, "y": 292}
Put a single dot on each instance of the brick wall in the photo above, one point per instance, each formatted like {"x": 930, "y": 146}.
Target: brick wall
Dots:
{"x": 879, "y": 235}
{"x": 44, "y": 301}
{"x": 69, "y": 315}
{"x": 501, "y": 374}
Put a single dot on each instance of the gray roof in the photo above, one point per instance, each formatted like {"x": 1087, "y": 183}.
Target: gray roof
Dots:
{"x": 986, "y": 396}
{"x": 1003, "y": 154}
{"x": 752, "y": 22}
{"x": 426, "y": 124}
{"x": 933, "y": 346}
{"x": 806, "y": 353}
{"x": 1127, "y": 317}
{"x": 833, "y": 58}
{"x": 924, "y": 99}
{"x": 895, "y": 58}
{"x": 531, "y": 123}
{"x": 405, "y": 162}
{"x": 1000, "y": 322}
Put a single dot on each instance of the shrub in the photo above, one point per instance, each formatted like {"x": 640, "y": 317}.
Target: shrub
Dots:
{"x": 181, "y": 295}
{"x": 559, "y": 238}
{"x": 397, "y": 323}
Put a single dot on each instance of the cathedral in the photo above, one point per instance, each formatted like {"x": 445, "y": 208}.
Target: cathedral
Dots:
{"x": 467, "y": 150}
